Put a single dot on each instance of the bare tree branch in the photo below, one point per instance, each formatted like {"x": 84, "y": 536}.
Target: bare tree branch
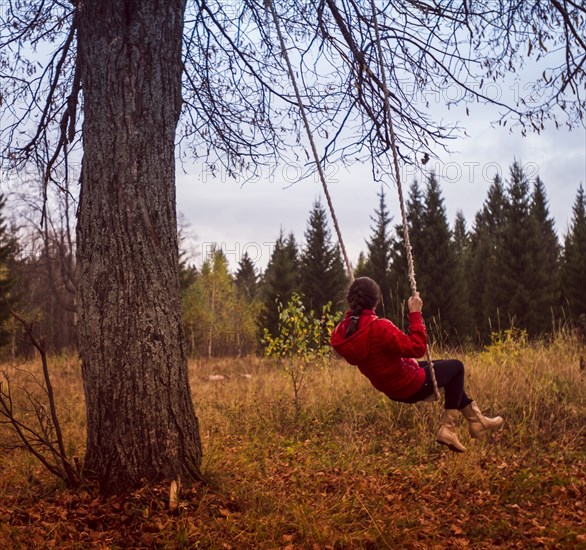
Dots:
{"x": 66, "y": 470}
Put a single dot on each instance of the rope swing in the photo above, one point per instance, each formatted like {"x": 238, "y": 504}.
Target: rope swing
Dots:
{"x": 395, "y": 157}
{"x": 407, "y": 240}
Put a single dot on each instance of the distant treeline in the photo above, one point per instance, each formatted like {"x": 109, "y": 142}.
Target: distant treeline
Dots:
{"x": 508, "y": 270}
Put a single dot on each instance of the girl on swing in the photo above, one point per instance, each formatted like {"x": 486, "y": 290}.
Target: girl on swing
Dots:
{"x": 386, "y": 356}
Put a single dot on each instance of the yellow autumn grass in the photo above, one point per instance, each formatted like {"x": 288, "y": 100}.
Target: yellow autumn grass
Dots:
{"x": 538, "y": 387}
{"x": 352, "y": 469}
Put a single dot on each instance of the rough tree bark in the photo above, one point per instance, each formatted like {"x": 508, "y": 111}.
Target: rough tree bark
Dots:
{"x": 141, "y": 421}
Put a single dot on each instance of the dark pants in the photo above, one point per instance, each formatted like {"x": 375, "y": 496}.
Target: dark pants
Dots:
{"x": 449, "y": 374}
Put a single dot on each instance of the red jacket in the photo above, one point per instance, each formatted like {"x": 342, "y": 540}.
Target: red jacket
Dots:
{"x": 384, "y": 353}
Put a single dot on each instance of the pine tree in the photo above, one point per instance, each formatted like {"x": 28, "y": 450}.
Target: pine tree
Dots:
{"x": 361, "y": 269}
{"x": 281, "y": 279}
{"x": 574, "y": 260}
{"x": 545, "y": 283}
{"x": 461, "y": 237}
{"x": 248, "y": 305}
{"x": 400, "y": 282}
{"x": 379, "y": 257}
{"x": 515, "y": 255}
{"x": 322, "y": 275}
{"x": 415, "y": 217}
{"x": 246, "y": 277}
{"x": 486, "y": 300}
{"x": 480, "y": 259}
{"x": 462, "y": 250}
{"x": 438, "y": 274}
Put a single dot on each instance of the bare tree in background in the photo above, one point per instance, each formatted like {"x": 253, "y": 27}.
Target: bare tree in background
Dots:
{"x": 44, "y": 271}
{"x": 124, "y": 81}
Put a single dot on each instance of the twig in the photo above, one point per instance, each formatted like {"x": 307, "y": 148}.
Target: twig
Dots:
{"x": 68, "y": 473}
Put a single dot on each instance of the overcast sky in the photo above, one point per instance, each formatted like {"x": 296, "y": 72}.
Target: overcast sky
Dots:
{"x": 246, "y": 216}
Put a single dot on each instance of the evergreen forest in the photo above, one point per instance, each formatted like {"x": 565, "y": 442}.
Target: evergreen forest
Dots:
{"x": 508, "y": 268}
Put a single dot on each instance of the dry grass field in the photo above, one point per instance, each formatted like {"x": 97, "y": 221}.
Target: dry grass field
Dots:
{"x": 349, "y": 469}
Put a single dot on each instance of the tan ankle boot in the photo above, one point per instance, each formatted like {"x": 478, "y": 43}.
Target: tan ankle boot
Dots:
{"x": 477, "y": 422}
{"x": 447, "y": 432}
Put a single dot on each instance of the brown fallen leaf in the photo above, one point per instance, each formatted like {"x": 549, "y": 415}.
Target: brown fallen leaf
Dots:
{"x": 457, "y": 530}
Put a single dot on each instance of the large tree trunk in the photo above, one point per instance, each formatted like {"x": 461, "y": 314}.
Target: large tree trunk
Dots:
{"x": 141, "y": 421}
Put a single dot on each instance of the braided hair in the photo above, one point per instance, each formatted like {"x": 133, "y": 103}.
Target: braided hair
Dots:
{"x": 363, "y": 293}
